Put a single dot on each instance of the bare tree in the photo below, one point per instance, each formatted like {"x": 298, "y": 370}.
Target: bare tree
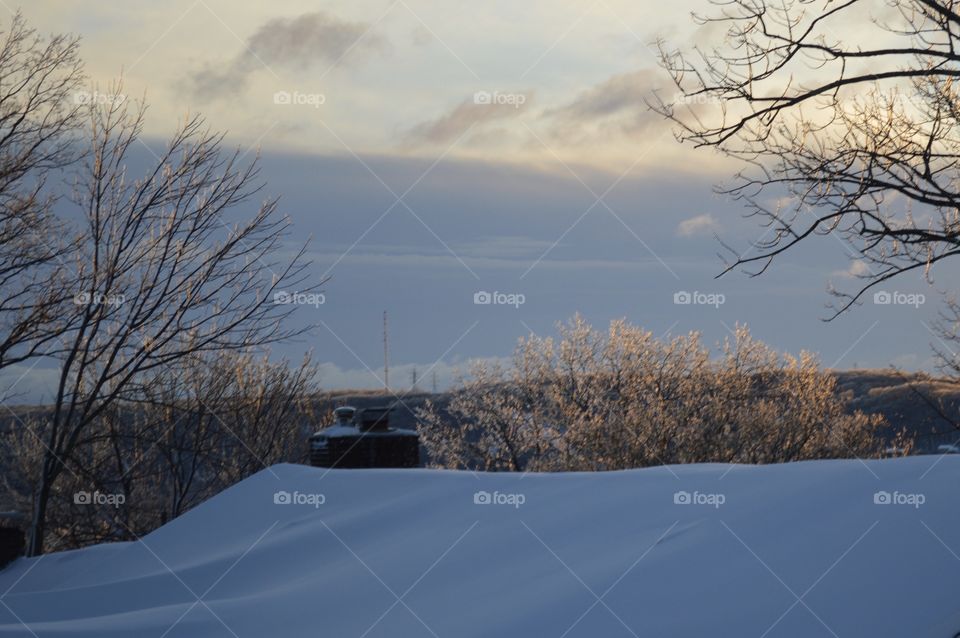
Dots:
{"x": 40, "y": 108}
{"x": 162, "y": 276}
{"x": 845, "y": 115}
{"x": 187, "y": 435}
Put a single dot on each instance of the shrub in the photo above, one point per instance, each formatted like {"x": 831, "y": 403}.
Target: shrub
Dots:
{"x": 590, "y": 400}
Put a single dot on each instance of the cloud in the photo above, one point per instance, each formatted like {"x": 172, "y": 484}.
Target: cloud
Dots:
{"x": 480, "y": 108}
{"x": 506, "y": 246}
{"x": 700, "y": 225}
{"x": 448, "y": 263}
{"x": 334, "y": 377}
{"x": 297, "y": 43}
{"x": 615, "y": 105}
{"x": 856, "y": 270}
{"x": 613, "y": 96}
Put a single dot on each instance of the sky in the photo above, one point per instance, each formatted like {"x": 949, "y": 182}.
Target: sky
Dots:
{"x": 440, "y": 155}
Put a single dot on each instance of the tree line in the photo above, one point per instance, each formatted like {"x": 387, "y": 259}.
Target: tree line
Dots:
{"x": 592, "y": 400}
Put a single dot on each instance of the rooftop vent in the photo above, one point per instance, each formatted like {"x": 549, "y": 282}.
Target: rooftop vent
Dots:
{"x": 375, "y": 419}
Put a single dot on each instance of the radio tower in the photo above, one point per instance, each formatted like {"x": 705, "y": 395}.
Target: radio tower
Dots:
{"x": 386, "y": 356}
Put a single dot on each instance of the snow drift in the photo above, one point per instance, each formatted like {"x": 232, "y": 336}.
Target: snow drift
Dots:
{"x": 831, "y": 548}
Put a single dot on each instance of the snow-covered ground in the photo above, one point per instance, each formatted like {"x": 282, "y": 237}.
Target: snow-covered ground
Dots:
{"x": 798, "y": 550}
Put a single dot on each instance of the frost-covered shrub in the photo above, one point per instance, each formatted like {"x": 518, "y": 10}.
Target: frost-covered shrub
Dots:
{"x": 592, "y": 400}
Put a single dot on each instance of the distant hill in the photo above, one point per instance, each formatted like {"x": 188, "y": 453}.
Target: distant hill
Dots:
{"x": 927, "y": 406}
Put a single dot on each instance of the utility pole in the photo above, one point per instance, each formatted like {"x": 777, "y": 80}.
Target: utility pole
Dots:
{"x": 386, "y": 355}
{"x": 413, "y": 379}
{"x": 434, "y": 379}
